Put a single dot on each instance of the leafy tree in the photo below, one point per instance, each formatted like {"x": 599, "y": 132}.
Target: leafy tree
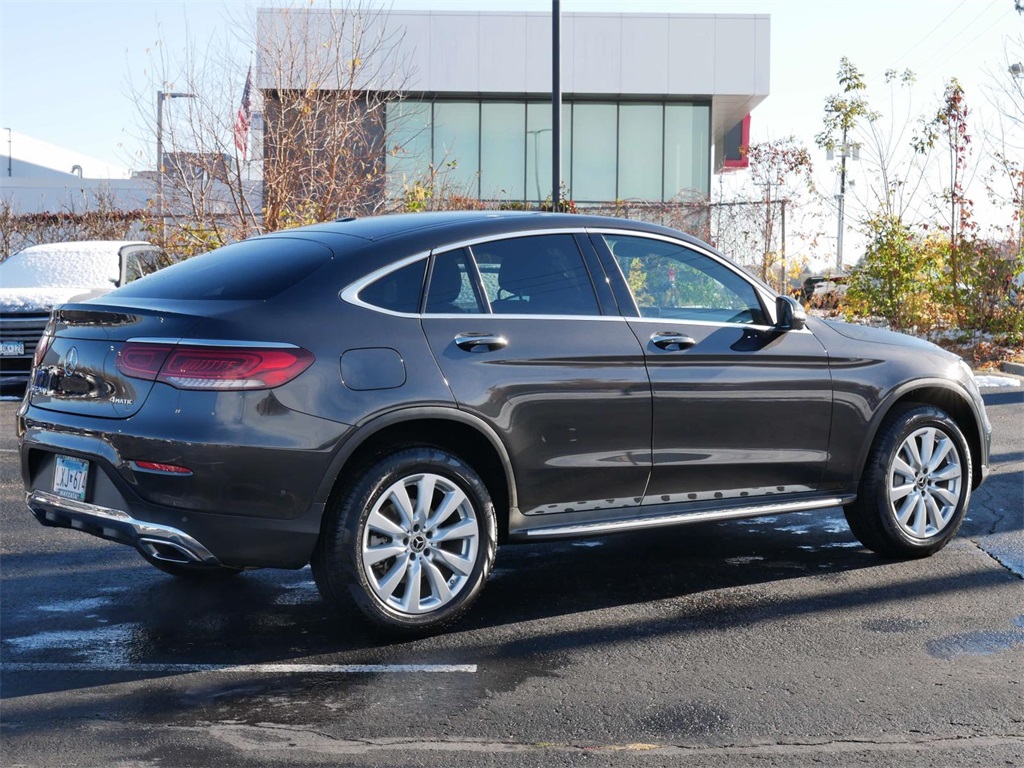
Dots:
{"x": 899, "y": 276}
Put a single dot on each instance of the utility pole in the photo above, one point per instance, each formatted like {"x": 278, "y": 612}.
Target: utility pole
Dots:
{"x": 782, "y": 279}
{"x": 162, "y": 96}
{"x": 842, "y": 200}
{"x": 556, "y": 103}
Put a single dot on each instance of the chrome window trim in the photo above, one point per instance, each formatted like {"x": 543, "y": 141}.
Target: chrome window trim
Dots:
{"x": 350, "y": 294}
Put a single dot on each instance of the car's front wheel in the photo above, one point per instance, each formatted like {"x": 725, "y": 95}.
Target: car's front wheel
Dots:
{"x": 411, "y": 543}
{"x": 916, "y": 484}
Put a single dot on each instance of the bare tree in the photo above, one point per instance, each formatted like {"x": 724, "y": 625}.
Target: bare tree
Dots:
{"x": 1004, "y": 180}
{"x": 321, "y": 78}
{"x": 749, "y": 226}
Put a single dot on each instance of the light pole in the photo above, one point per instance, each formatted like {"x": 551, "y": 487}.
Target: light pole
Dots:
{"x": 1016, "y": 71}
{"x": 845, "y": 150}
{"x": 556, "y": 104}
{"x": 161, "y": 97}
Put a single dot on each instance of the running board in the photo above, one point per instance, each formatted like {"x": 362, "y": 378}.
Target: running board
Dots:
{"x": 638, "y": 523}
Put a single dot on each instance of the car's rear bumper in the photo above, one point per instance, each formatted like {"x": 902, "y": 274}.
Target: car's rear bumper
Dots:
{"x": 241, "y": 505}
{"x": 200, "y": 539}
{"x": 160, "y": 541}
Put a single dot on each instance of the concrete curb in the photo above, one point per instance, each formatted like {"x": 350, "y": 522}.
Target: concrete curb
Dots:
{"x": 1017, "y": 369}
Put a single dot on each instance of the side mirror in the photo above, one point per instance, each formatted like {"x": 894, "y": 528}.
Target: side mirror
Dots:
{"x": 791, "y": 316}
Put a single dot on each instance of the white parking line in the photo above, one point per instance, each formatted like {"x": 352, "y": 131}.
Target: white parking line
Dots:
{"x": 272, "y": 669}
{"x": 8, "y": 450}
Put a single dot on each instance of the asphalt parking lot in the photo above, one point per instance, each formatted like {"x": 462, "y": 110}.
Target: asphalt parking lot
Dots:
{"x": 773, "y": 642}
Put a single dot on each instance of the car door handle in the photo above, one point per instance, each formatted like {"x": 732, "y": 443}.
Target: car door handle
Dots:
{"x": 480, "y": 342}
{"x": 672, "y": 341}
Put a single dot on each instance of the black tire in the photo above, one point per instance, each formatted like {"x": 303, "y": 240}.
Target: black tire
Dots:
{"x": 428, "y": 590}
{"x": 896, "y": 522}
{"x": 191, "y": 572}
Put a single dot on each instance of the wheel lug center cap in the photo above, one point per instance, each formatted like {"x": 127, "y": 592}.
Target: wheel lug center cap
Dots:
{"x": 418, "y": 543}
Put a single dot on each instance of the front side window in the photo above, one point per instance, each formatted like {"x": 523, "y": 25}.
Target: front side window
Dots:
{"x": 538, "y": 275}
{"x": 672, "y": 281}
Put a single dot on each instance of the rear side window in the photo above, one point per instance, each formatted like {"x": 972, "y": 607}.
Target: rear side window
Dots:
{"x": 250, "y": 270}
{"x": 398, "y": 291}
{"x": 451, "y": 286}
{"x": 538, "y": 275}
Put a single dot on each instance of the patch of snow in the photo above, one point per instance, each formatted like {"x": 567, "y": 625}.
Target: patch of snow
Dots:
{"x": 41, "y": 299}
{"x": 988, "y": 380}
{"x": 44, "y": 275}
{"x": 75, "y": 606}
{"x": 89, "y": 264}
{"x": 743, "y": 560}
{"x": 104, "y": 645}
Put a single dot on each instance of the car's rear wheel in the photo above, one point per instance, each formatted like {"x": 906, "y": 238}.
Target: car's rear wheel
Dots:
{"x": 411, "y": 544}
{"x": 916, "y": 484}
{"x": 189, "y": 571}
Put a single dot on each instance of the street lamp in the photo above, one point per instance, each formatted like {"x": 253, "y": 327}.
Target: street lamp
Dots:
{"x": 161, "y": 97}
{"x": 852, "y": 151}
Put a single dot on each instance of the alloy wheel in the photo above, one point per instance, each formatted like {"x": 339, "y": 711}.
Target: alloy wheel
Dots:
{"x": 419, "y": 544}
{"x": 925, "y": 482}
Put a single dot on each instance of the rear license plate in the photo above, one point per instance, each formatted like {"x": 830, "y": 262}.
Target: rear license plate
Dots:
{"x": 70, "y": 477}
{"x": 12, "y": 348}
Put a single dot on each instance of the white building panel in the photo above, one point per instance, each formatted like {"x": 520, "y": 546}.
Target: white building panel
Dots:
{"x": 644, "y": 54}
{"x": 691, "y": 55}
{"x": 603, "y": 54}
{"x": 455, "y": 52}
{"x": 503, "y": 66}
{"x": 735, "y": 54}
{"x": 596, "y": 60}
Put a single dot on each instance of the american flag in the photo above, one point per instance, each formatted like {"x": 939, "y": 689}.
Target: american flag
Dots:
{"x": 244, "y": 118}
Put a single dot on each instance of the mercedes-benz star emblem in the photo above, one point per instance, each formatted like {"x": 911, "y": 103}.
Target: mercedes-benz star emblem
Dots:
{"x": 71, "y": 361}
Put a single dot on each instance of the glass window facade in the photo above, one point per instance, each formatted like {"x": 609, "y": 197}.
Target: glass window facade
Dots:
{"x": 594, "y": 139}
{"x": 640, "y": 151}
{"x": 501, "y": 150}
{"x": 457, "y": 145}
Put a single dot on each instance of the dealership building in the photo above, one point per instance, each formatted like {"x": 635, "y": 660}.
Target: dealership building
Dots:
{"x": 648, "y": 99}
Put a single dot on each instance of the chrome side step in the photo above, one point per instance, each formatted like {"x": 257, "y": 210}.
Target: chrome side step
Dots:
{"x": 679, "y": 518}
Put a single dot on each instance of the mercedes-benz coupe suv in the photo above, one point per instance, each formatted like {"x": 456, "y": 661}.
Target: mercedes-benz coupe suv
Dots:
{"x": 390, "y": 398}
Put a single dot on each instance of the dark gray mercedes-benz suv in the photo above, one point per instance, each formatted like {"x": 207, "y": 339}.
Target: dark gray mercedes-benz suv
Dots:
{"x": 390, "y": 398}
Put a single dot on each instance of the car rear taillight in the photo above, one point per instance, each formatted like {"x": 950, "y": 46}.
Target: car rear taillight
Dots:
{"x": 44, "y": 344}
{"x": 216, "y": 368}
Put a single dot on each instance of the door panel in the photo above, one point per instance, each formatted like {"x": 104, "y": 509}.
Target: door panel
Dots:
{"x": 741, "y": 412}
{"x": 740, "y": 408}
{"x": 570, "y": 397}
{"x": 565, "y": 386}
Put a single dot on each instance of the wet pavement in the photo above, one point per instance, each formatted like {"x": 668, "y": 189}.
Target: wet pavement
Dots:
{"x": 776, "y": 641}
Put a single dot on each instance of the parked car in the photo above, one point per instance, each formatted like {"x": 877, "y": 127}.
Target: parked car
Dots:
{"x": 809, "y": 283}
{"x": 35, "y": 280}
{"x": 829, "y": 292}
{"x": 390, "y": 398}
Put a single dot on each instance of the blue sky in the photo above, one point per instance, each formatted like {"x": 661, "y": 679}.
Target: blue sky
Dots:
{"x": 65, "y": 64}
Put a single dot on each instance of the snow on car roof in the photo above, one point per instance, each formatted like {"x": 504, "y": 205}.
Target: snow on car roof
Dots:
{"x": 84, "y": 264}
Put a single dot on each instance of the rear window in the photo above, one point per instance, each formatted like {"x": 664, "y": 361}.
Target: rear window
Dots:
{"x": 249, "y": 270}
